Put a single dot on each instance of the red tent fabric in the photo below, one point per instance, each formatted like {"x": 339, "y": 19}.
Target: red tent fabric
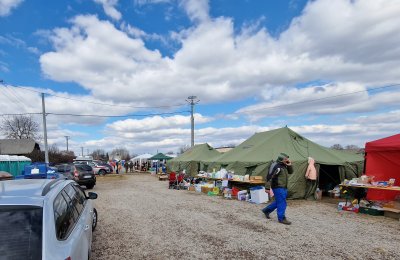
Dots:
{"x": 383, "y": 162}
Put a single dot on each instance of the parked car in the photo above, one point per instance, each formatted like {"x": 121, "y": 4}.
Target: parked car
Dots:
{"x": 100, "y": 163}
{"x": 46, "y": 219}
{"x": 5, "y": 176}
{"x": 83, "y": 174}
{"x": 98, "y": 169}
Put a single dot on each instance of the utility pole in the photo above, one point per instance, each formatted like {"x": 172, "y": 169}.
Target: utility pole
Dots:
{"x": 67, "y": 137}
{"x": 192, "y": 102}
{"x": 82, "y": 150}
{"x": 46, "y": 149}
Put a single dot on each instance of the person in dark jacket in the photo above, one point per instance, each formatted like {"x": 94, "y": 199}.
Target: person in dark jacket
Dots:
{"x": 279, "y": 180}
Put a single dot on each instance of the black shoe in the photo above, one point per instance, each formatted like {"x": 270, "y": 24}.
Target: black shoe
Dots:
{"x": 266, "y": 215}
{"x": 285, "y": 221}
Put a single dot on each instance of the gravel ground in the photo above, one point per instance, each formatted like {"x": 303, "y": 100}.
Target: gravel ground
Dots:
{"x": 140, "y": 218}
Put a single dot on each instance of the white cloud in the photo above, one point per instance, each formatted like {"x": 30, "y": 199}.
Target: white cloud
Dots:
{"x": 353, "y": 45}
{"x": 154, "y": 123}
{"x": 147, "y": 2}
{"x": 109, "y": 8}
{"x": 216, "y": 64}
{"x": 197, "y": 10}
{"x": 4, "y": 67}
{"x": 326, "y": 99}
{"x": 351, "y": 131}
{"x": 7, "y": 5}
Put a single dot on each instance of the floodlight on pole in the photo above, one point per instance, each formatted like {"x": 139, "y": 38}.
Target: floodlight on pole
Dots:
{"x": 191, "y": 100}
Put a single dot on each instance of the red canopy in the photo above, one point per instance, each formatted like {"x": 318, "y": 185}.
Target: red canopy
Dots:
{"x": 383, "y": 162}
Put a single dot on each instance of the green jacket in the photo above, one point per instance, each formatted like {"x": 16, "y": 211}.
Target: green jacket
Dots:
{"x": 281, "y": 176}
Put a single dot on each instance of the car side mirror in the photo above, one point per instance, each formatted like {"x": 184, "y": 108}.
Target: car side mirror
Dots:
{"x": 92, "y": 195}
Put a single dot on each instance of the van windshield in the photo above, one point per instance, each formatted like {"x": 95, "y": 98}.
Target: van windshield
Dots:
{"x": 21, "y": 232}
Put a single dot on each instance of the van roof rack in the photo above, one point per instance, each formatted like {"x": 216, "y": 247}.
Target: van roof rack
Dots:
{"x": 49, "y": 185}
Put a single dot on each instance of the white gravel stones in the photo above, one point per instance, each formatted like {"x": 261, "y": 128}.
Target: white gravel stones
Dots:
{"x": 140, "y": 218}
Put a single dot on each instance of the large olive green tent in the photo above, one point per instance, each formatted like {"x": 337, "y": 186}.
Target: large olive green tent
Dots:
{"x": 192, "y": 159}
{"x": 254, "y": 156}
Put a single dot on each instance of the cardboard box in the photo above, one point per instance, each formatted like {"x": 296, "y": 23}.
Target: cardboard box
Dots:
{"x": 256, "y": 178}
{"x": 191, "y": 188}
{"x": 205, "y": 189}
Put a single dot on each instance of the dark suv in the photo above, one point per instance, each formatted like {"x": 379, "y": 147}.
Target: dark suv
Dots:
{"x": 82, "y": 173}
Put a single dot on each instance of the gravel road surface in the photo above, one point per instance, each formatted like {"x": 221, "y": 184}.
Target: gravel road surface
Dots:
{"x": 140, "y": 218}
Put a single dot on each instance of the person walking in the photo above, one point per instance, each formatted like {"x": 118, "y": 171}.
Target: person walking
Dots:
{"x": 117, "y": 167}
{"x": 278, "y": 175}
{"x": 130, "y": 166}
{"x": 126, "y": 166}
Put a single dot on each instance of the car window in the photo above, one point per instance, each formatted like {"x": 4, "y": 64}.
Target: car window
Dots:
{"x": 63, "y": 216}
{"x": 81, "y": 195}
{"x": 68, "y": 168}
{"x": 60, "y": 168}
{"x": 74, "y": 200}
{"x": 21, "y": 232}
{"x": 83, "y": 167}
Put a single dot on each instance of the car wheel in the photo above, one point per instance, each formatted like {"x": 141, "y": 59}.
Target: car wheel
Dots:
{"x": 94, "y": 222}
{"x": 102, "y": 172}
{"x": 89, "y": 186}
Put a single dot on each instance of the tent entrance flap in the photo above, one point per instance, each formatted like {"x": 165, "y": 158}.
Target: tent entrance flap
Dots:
{"x": 250, "y": 170}
{"x": 329, "y": 177}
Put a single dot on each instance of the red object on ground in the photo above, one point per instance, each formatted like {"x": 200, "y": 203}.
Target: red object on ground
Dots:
{"x": 235, "y": 191}
{"x": 382, "y": 160}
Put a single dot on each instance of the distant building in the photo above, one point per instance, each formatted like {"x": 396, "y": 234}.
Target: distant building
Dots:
{"x": 18, "y": 146}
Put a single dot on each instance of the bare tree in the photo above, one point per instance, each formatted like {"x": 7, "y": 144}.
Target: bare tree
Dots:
{"x": 99, "y": 154}
{"x": 352, "y": 147}
{"x": 55, "y": 155}
{"x": 183, "y": 149}
{"x": 337, "y": 147}
{"x": 120, "y": 153}
{"x": 20, "y": 127}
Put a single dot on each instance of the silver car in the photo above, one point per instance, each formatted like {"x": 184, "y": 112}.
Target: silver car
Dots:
{"x": 45, "y": 219}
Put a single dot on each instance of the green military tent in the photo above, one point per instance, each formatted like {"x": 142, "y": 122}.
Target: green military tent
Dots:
{"x": 255, "y": 155}
{"x": 160, "y": 156}
{"x": 192, "y": 159}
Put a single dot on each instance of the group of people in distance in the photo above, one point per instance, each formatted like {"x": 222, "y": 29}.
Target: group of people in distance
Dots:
{"x": 129, "y": 166}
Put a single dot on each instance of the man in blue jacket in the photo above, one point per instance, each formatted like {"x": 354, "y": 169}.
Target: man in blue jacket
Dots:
{"x": 279, "y": 176}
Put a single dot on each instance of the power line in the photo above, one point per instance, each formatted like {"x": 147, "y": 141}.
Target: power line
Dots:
{"x": 21, "y": 114}
{"x": 91, "y": 102}
{"x": 314, "y": 100}
{"x": 129, "y": 115}
{"x": 87, "y": 115}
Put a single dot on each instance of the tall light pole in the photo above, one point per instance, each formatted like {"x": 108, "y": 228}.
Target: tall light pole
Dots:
{"x": 46, "y": 149}
{"x": 192, "y": 102}
{"x": 67, "y": 137}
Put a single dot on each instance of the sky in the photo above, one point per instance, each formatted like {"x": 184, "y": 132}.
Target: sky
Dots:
{"x": 119, "y": 73}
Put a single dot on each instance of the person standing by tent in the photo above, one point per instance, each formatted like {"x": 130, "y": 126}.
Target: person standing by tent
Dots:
{"x": 126, "y": 166}
{"x": 278, "y": 175}
{"x": 117, "y": 167}
{"x": 130, "y": 166}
